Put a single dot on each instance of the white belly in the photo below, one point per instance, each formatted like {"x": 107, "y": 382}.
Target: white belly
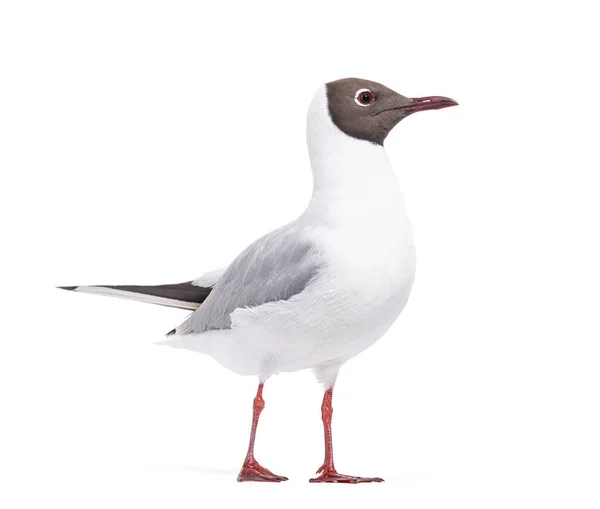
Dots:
{"x": 351, "y": 304}
{"x": 365, "y": 288}
{"x": 348, "y": 308}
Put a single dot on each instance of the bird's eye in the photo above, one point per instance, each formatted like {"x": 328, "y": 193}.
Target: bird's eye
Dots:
{"x": 364, "y": 97}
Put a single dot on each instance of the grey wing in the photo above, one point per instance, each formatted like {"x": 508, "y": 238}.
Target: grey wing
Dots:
{"x": 275, "y": 267}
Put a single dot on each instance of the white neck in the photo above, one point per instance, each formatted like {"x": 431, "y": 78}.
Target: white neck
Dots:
{"x": 348, "y": 173}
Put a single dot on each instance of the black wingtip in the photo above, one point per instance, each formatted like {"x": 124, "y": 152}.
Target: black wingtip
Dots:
{"x": 70, "y": 288}
{"x": 170, "y": 333}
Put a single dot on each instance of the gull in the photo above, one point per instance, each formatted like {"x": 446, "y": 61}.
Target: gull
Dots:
{"x": 324, "y": 287}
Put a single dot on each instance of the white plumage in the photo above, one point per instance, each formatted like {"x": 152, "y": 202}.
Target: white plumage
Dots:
{"x": 357, "y": 222}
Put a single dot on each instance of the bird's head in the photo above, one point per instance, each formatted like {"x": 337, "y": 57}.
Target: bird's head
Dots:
{"x": 368, "y": 110}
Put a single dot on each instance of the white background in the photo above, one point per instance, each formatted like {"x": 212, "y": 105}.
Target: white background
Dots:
{"x": 148, "y": 142}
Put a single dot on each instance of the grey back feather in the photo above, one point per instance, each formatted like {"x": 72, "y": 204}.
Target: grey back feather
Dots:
{"x": 275, "y": 267}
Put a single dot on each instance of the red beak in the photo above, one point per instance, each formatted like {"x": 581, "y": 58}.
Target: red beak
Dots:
{"x": 429, "y": 103}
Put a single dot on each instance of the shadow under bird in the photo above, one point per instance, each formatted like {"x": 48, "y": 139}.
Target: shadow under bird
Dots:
{"x": 323, "y": 288}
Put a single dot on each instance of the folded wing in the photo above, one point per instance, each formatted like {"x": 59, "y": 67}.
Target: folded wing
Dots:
{"x": 275, "y": 267}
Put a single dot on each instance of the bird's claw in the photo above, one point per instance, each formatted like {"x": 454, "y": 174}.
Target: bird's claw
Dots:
{"x": 332, "y": 476}
{"x": 252, "y": 471}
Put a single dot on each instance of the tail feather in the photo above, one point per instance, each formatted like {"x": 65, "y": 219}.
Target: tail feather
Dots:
{"x": 181, "y": 295}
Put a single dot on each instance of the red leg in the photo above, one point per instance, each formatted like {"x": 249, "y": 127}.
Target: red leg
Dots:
{"x": 251, "y": 470}
{"x": 327, "y": 470}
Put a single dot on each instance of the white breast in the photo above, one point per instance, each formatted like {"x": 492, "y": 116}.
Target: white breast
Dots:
{"x": 366, "y": 237}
